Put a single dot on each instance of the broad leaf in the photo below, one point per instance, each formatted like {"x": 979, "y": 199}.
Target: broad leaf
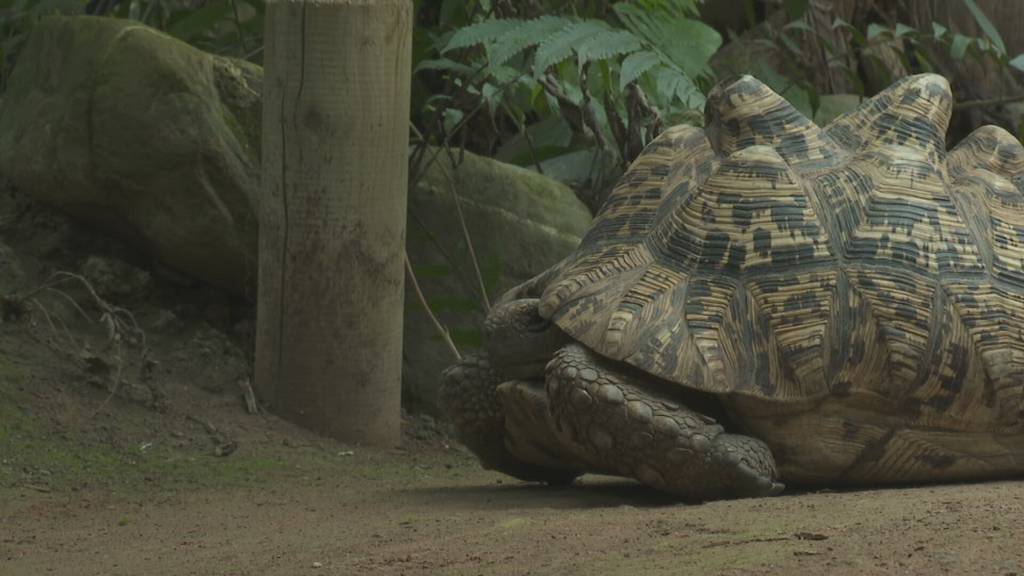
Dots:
{"x": 875, "y": 30}
{"x": 959, "y": 47}
{"x": 1018, "y": 62}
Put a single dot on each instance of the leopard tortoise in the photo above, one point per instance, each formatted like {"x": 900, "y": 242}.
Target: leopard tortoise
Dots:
{"x": 765, "y": 300}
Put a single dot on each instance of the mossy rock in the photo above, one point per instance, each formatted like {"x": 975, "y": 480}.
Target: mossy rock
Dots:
{"x": 142, "y": 136}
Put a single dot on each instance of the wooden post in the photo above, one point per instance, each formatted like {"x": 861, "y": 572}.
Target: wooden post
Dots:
{"x": 332, "y": 215}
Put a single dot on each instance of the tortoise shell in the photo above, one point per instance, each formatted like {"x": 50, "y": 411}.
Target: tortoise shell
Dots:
{"x": 854, "y": 292}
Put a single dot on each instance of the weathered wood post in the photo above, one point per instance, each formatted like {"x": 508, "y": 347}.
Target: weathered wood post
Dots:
{"x": 332, "y": 215}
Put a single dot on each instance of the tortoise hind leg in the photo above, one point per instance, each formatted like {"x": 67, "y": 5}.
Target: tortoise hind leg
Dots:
{"x": 619, "y": 424}
{"x": 469, "y": 393}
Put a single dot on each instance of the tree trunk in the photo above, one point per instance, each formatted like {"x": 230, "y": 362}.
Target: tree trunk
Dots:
{"x": 332, "y": 215}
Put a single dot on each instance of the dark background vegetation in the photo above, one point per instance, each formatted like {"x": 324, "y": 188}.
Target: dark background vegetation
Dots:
{"x": 575, "y": 88}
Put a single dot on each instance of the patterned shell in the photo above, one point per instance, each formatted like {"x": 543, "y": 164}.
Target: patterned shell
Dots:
{"x": 769, "y": 259}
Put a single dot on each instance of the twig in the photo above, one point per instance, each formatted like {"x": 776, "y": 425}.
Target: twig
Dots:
{"x": 989, "y": 102}
{"x": 526, "y": 136}
{"x": 423, "y": 301}
{"x": 533, "y": 150}
{"x": 238, "y": 28}
{"x": 469, "y": 244}
{"x": 53, "y": 327}
{"x": 117, "y": 382}
{"x": 250, "y": 397}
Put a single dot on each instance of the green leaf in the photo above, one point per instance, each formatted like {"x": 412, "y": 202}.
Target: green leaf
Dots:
{"x": 799, "y": 25}
{"x": 959, "y": 47}
{"x": 1018, "y": 62}
{"x": 445, "y": 64}
{"x": 452, "y": 117}
{"x": 875, "y": 30}
{"x": 796, "y": 8}
{"x": 635, "y": 65}
{"x": 199, "y": 21}
{"x": 673, "y": 85}
{"x": 481, "y": 32}
{"x": 790, "y": 44}
{"x": 938, "y": 30}
{"x": 986, "y": 26}
{"x": 561, "y": 45}
{"x": 608, "y": 44}
{"x": 526, "y": 35}
{"x": 688, "y": 44}
{"x": 903, "y": 30}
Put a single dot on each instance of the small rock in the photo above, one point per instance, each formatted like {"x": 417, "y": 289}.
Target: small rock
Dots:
{"x": 318, "y": 564}
{"x": 225, "y": 449}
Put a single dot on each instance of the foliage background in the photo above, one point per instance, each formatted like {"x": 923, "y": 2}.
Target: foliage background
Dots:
{"x": 575, "y": 88}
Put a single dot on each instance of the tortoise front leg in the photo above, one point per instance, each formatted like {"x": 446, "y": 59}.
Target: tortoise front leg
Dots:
{"x": 469, "y": 393}
{"x": 607, "y": 413}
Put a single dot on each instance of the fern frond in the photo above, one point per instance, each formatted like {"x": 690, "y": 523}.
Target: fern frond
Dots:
{"x": 679, "y": 8}
{"x": 608, "y": 44}
{"x": 675, "y": 85}
{"x": 560, "y": 46}
{"x": 689, "y": 44}
{"x": 526, "y": 35}
{"x": 481, "y": 32}
{"x": 635, "y": 65}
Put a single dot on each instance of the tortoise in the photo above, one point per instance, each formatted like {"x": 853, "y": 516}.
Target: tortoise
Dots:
{"x": 765, "y": 300}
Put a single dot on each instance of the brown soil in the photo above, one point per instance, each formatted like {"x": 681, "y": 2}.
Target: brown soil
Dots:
{"x": 124, "y": 458}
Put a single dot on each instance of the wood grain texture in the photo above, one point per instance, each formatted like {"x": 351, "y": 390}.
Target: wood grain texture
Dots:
{"x": 854, "y": 293}
{"x": 332, "y": 223}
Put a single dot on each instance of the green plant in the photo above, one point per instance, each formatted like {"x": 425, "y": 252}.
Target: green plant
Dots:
{"x": 559, "y": 84}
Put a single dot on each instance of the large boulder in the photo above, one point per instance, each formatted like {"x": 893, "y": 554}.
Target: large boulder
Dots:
{"x": 142, "y": 136}
{"x": 149, "y": 139}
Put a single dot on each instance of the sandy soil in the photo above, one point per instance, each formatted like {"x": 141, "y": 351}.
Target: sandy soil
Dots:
{"x": 404, "y": 513}
{"x": 141, "y": 459}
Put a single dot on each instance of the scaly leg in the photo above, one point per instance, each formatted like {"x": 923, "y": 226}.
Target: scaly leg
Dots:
{"x": 606, "y": 412}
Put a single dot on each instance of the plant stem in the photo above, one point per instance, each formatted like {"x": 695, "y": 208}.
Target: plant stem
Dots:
{"x": 423, "y": 301}
{"x": 988, "y": 102}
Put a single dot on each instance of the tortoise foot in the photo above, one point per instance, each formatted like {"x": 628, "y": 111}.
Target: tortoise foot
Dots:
{"x": 623, "y": 425}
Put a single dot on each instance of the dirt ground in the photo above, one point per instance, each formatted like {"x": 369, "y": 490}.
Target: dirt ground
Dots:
{"x": 128, "y": 455}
